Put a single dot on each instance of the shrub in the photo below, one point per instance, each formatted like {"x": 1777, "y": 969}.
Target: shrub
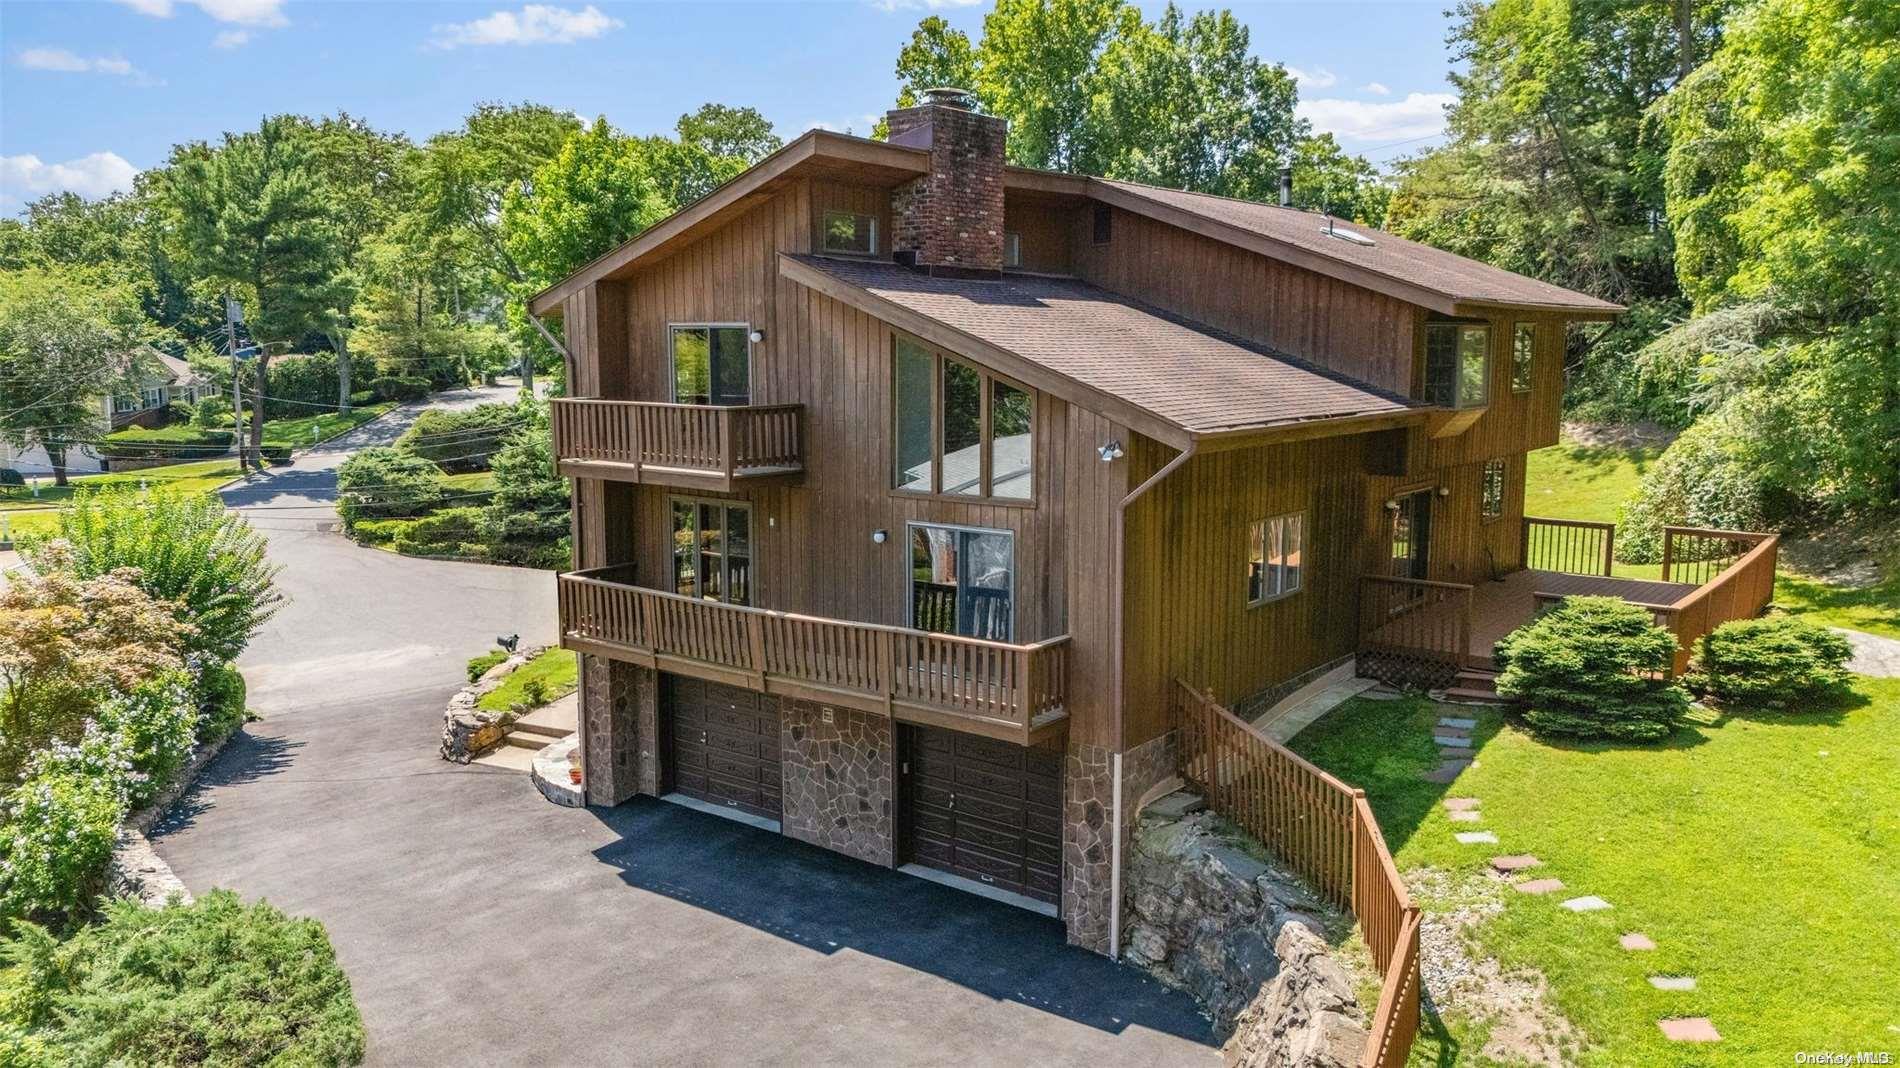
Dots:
{"x": 57, "y": 829}
{"x": 386, "y": 483}
{"x": 154, "y": 729}
{"x": 362, "y": 398}
{"x": 298, "y": 385}
{"x": 1585, "y": 667}
{"x": 183, "y": 443}
{"x": 461, "y": 440}
{"x": 188, "y": 550}
{"x": 178, "y": 413}
{"x": 221, "y": 694}
{"x": 478, "y": 666}
{"x": 215, "y": 982}
{"x": 528, "y": 515}
{"x": 447, "y": 531}
{"x": 211, "y": 413}
{"x": 1704, "y": 479}
{"x": 400, "y": 388}
{"x": 378, "y": 531}
{"x": 1774, "y": 662}
{"x": 274, "y": 454}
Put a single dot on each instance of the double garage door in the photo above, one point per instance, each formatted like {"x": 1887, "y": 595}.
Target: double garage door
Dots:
{"x": 723, "y": 744}
{"x": 983, "y": 809}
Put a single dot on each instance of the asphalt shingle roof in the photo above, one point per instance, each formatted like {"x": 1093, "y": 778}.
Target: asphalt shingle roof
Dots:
{"x": 1197, "y": 377}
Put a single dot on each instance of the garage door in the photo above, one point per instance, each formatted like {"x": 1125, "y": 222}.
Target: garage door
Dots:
{"x": 723, "y": 744}
{"x": 984, "y": 809}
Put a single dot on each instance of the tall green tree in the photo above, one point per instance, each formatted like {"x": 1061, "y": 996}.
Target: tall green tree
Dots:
{"x": 719, "y": 130}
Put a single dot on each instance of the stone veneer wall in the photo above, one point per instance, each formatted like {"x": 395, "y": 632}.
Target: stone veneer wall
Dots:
{"x": 838, "y": 768}
{"x": 1088, "y": 792}
{"x": 620, "y": 730}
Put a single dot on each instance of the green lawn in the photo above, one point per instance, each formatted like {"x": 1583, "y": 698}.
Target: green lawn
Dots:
{"x": 296, "y": 433}
{"x": 1759, "y": 852}
{"x": 27, "y": 514}
{"x": 558, "y": 670}
{"x": 470, "y": 482}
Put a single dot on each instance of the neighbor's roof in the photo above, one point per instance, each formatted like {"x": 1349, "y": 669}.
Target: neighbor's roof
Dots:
{"x": 180, "y": 370}
{"x": 1192, "y": 378}
{"x": 1420, "y": 274}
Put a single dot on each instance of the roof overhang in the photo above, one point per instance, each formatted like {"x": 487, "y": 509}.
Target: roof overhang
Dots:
{"x": 816, "y": 152}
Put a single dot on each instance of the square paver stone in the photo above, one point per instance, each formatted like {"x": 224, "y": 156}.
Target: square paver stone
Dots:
{"x": 1514, "y": 862}
{"x": 1636, "y": 941}
{"x": 1452, "y": 741}
{"x": 1689, "y": 1029}
{"x": 1541, "y": 886}
{"x": 1672, "y": 982}
{"x": 1591, "y": 903}
{"x": 1477, "y": 838}
{"x": 1446, "y": 772}
{"x": 1469, "y": 816}
{"x": 1461, "y": 804}
{"x": 1454, "y": 721}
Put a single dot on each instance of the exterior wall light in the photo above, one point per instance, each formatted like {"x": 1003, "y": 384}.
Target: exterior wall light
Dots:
{"x": 880, "y": 536}
{"x": 1391, "y": 504}
{"x": 756, "y": 336}
{"x": 1111, "y": 452}
{"x": 1444, "y": 491}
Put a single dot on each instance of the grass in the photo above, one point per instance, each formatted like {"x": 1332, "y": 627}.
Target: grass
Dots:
{"x": 1875, "y": 609}
{"x": 30, "y": 515}
{"x": 1757, "y": 851}
{"x": 557, "y": 669}
{"x": 470, "y": 482}
{"x": 296, "y": 433}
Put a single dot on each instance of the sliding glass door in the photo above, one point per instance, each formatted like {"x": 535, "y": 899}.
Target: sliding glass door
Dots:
{"x": 963, "y": 581}
{"x": 712, "y": 550}
{"x": 712, "y": 365}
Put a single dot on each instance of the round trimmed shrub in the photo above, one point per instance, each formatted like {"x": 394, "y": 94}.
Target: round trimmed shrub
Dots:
{"x": 1773, "y": 662}
{"x": 386, "y": 483}
{"x": 1590, "y": 668}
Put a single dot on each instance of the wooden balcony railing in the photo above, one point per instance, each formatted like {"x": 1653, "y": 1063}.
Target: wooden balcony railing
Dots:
{"x": 1573, "y": 546}
{"x": 1413, "y": 632}
{"x": 1740, "y": 588}
{"x": 1002, "y": 689}
{"x": 1324, "y": 831}
{"x": 693, "y": 445}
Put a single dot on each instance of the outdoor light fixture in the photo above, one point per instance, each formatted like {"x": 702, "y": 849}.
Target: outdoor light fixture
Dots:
{"x": 1111, "y": 452}
{"x": 756, "y": 336}
{"x": 1444, "y": 491}
{"x": 879, "y": 536}
{"x": 1391, "y": 504}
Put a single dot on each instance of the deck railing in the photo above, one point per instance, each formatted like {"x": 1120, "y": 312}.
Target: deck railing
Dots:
{"x": 1741, "y": 589}
{"x": 1324, "y": 830}
{"x": 729, "y": 441}
{"x": 1697, "y": 554}
{"x": 863, "y": 664}
{"x": 1413, "y": 632}
{"x": 1573, "y": 546}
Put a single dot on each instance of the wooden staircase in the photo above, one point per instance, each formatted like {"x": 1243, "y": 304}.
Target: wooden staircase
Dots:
{"x": 1476, "y": 684}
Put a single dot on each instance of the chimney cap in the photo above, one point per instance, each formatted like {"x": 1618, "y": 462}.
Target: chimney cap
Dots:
{"x": 950, "y": 96}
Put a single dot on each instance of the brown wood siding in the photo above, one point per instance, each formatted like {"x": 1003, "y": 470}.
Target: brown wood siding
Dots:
{"x": 1512, "y": 423}
{"x": 1465, "y": 547}
{"x": 1186, "y": 591}
{"x": 1334, "y": 324}
{"x": 1043, "y": 232}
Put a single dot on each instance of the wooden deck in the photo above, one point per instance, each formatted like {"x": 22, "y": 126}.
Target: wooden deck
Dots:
{"x": 1500, "y": 607}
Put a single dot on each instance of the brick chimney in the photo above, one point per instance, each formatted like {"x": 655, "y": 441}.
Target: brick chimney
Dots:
{"x": 950, "y": 222}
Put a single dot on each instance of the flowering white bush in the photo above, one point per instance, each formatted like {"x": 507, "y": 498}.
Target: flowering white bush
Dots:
{"x": 57, "y": 830}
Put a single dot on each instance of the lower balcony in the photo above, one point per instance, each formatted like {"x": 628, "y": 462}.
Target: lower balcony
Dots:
{"x": 999, "y": 689}
{"x": 693, "y": 446}
{"x": 1424, "y": 633}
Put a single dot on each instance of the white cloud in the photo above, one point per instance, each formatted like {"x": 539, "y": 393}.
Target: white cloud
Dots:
{"x": 231, "y": 39}
{"x": 242, "y": 12}
{"x": 24, "y": 178}
{"x": 1419, "y": 115}
{"x": 533, "y": 24}
{"x": 59, "y": 59}
{"x": 1317, "y": 78}
{"x": 1377, "y": 89}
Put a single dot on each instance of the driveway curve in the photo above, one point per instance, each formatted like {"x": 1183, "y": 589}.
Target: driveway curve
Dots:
{"x": 482, "y": 925}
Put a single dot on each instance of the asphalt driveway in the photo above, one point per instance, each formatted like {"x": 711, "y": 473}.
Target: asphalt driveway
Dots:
{"x": 482, "y": 925}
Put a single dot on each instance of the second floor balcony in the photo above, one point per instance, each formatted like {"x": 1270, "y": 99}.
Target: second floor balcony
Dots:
{"x": 694, "y": 446}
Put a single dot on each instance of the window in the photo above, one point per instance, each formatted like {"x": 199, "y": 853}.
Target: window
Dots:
{"x": 1012, "y": 250}
{"x": 1523, "y": 351}
{"x": 1457, "y": 365}
{"x": 960, "y": 431}
{"x": 712, "y": 550}
{"x": 1275, "y": 565}
{"x": 1104, "y": 224}
{"x": 847, "y": 231}
{"x": 1491, "y": 493}
{"x": 963, "y": 581}
{"x": 152, "y": 398}
{"x": 122, "y": 405}
{"x": 712, "y": 364}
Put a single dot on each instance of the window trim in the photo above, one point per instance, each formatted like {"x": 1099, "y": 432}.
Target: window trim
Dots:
{"x": 1528, "y": 364}
{"x": 672, "y": 364}
{"x": 725, "y": 557}
{"x": 986, "y": 379}
{"x": 1266, "y": 556}
{"x": 910, "y": 601}
{"x": 1458, "y": 326}
{"x": 1503, "y": 467}
{"x": 824, "y": 230}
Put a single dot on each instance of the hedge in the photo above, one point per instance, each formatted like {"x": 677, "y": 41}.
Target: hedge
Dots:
{"x": 1593, "y": 667}
{"x": 400, "y": 389}
{"x": 1773, "y": 662}
{"x": 461, "y": 440}
{"x": 183, "y": 441}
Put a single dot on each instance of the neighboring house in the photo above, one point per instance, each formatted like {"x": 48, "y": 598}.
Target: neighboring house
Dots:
{"x": 909, "y": 483}
{"x": 168, "y": 379}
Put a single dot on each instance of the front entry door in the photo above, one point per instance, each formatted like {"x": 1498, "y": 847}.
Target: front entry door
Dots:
{"x": 1411, "y": 536}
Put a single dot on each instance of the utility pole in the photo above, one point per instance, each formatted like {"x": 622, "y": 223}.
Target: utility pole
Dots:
{"x": 231, "y": 317}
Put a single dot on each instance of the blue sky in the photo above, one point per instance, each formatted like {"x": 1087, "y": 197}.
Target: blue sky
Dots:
{"x": 93, "y": 90}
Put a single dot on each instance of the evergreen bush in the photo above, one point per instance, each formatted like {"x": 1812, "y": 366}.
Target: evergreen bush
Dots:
{"x": 443, "y": 533}
{"x": 1773, "y": 662}
{"x": 387, "y": 483}
{"x": 1588, "y": 669}
{"x": 463, "y": 440}
{"x": 400, "y": 388}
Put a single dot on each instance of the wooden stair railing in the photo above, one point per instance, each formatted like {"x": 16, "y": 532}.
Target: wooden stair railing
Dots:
{"x": 1413, "y": 632}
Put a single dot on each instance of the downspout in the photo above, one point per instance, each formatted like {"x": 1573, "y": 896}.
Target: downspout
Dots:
{"x": 567, "y": 358}
{"x": 1115, "y": 814}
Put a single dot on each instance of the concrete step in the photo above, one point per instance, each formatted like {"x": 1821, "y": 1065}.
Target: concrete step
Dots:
{"x": 513, "y": 758}
{"x": 549, "y": 731}
{"x": 525, "y": 740}
{"x": 1472, "y": 696}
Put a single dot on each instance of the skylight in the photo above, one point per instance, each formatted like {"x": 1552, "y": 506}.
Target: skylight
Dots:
{"x": 1344, "y": 234}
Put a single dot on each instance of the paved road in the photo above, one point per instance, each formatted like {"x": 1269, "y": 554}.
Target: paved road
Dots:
{"x": 482, "y": 925}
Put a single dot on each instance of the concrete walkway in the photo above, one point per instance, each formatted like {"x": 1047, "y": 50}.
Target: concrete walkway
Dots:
{"x": 1874, "y": 654}
{"x": 481, "y": 925}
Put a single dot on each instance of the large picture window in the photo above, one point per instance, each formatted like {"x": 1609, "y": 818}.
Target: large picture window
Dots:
{"x": 963, "y": 581}
{"x": 712, "y": 363}
{"x": 712, "y": 550}
{"x": 1523, "y": 356}
{"x": 1275, "y": 557}
{"x": 960, "y": 431}
{"x": 1457, "y": 365}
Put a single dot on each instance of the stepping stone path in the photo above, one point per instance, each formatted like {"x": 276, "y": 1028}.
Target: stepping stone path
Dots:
{"x": 1476, "y": 838}
{"x": 1460, "y": 804}
{"x": 1452, "y": 741}
{"x": 1672, "y": 982}
{"x": 1446, "y": 772}
{"x": 1636, "y": 942}
{"x": 1586, "y": 904}
{"x": 1689, "y": 1029}
{"x": 1457, "y": 723}
{"x": 1540, "y": 886}
{"x": 1464, "y": 817}
{"x": 1515, "y": 862}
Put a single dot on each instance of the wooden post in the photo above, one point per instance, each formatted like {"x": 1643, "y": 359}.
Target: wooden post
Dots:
{"x": 1669, "y": 551}
{"x": 1609, "y": 550}
{"x": 1524, "y": 544}
{"x": 728, "y": 443}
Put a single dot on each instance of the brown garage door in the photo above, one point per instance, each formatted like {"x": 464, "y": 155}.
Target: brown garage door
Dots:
{"x": 984, "y": 809}
{"x": 723, "y": 744}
